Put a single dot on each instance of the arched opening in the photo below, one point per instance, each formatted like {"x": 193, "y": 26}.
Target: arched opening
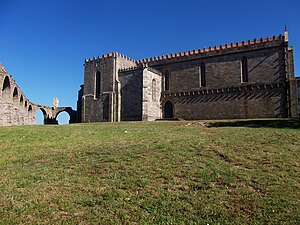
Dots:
{"x": 6, "y": 83}
{"x": 40, "y": 116}
{"x": 15, "y": 94}
{"x": 21, "y": 99}
{"x": 26, "y": 104}
{"x": 168, "y": 110}
{"x": 63, "y": 118}
{"x": 29, "y": 108}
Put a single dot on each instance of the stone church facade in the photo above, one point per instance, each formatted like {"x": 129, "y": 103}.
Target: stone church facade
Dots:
{"x": 251, "y": 79}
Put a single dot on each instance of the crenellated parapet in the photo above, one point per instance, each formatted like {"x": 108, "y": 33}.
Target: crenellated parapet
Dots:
{"x": 221, "y": 49}
{"x": 196, "y": 53}
{"x": 108, "y": 56}
{"x": 139, "y": 67}
{"x": 132, "y": 68}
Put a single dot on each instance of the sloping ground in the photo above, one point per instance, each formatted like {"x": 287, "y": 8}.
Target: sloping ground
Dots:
{"x": 145, "y": 173}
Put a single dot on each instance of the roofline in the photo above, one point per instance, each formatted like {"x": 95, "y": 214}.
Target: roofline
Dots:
{"x": 196, "y": 52}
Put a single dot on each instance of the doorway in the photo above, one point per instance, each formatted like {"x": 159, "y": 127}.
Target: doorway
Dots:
{"x": 168, "y": 110}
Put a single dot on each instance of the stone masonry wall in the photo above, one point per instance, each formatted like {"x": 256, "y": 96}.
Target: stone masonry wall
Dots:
{"x": 93, "y": 105}
{"x": 268, "y": 92}
{"x": 104, "y": 107}
{"x": 151, "y": 94}
{"x": 266, "y": 65}
{"x": 253, "y": 102}
{"x": 131, "y": 94}
{"x": 15, "y": 108}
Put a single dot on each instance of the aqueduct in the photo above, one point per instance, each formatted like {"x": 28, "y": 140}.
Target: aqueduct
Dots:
{"x": 17, "y": 109}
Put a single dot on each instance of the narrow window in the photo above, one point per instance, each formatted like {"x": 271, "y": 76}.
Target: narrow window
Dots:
{"x": 202, "y": 75}
{"x": 167, "y": 80}
{"x": 244, "y": 70}
{"x": 98, "y": 84}
{"x": 153, "y": 90}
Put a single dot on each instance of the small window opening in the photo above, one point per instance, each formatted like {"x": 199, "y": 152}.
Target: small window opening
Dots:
{"x": 202, "y": 75}
{"x": 244, "y": 70}
{"x": 167, "y": 80}
{"x": 98, "y": 84}
{"x": 153, "y": 90}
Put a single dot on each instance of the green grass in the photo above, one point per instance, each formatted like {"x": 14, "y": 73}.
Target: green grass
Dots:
{"x": 156, "y": 173}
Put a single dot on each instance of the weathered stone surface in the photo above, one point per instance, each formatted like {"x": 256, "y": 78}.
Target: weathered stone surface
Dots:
{"x": 151, "y": 95}
{"x": 16, "y": 109}
{"x": 252, "y": 79}
{"x": 270, "y": 89}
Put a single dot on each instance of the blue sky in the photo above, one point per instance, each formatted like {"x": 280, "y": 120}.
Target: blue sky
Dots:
{"x": 43, "y": 43}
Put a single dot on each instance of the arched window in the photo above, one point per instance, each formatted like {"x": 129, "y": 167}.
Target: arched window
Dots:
{"x": 21, "y": 98}
{"x": 167, "y": 80}
{"x": 6, "y": 83}
{"x": 25, "y": 103}
{"x": 153, "y": 90}
{"x": 29, "y": 108}
{"x": 244, "y": 70}
{"x": 202, "y": 75}
{"x": 98, "y": 84}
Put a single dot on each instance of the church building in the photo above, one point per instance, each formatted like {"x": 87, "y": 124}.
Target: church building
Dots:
{"x": 248, "y": 79}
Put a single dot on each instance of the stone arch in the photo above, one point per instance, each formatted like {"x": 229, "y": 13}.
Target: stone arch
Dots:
{"x": 168, "y": 110}
{"x": 63, "y": 111}
{"x": 72, "y": 113}
{"x": 15, "y": 94}
{"x": 29, "y": 108}
{"x": 21, "y": 99}
{"x": 45, "y": 115}
{"x": 6, "y": 83}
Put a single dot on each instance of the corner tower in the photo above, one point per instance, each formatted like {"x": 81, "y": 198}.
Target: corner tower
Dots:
{"x": 101, "y": 93}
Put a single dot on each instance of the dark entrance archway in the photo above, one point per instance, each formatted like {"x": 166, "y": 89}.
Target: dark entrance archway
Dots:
{"x": 168, "y": 110}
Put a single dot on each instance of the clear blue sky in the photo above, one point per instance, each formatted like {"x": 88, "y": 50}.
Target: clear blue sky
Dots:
{"x": 43, "y": 43}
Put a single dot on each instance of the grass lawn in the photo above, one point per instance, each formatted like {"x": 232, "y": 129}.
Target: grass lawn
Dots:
{"x": 151, "y": 173}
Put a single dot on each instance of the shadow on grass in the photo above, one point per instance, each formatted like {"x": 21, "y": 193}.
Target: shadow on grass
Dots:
{"x": 273, "y": 123}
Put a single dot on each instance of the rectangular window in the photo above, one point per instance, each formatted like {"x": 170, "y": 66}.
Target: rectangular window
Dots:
{"x": 244, "y": 70}
{"x": 202, "y": 75}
